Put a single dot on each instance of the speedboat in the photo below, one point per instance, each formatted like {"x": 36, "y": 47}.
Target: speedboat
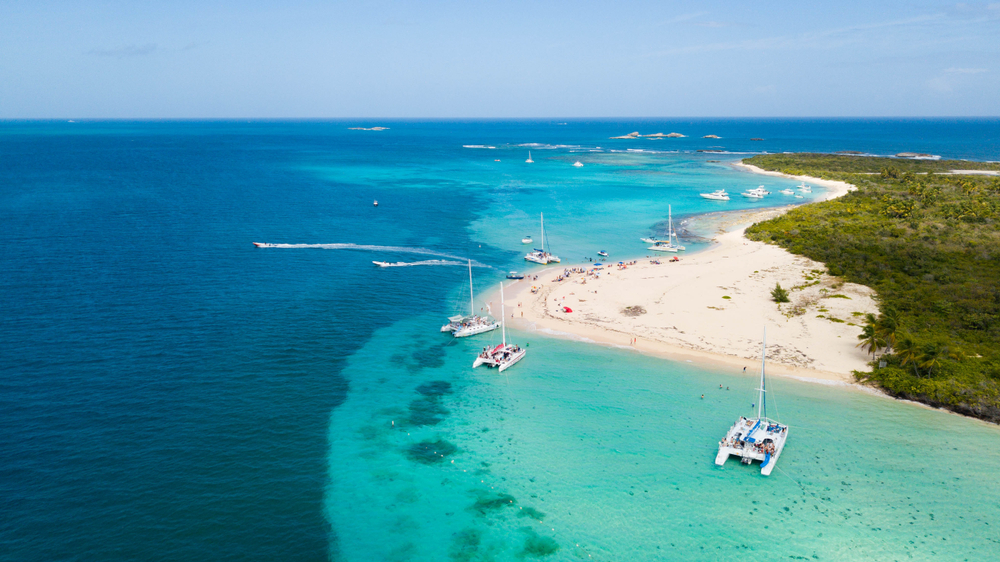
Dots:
{"x": 717, "y": 195}
{"x": 515, "y": 275}
{"x": 263, "y": 245}
{"x": 577, "y": 164}
{"x": 603, "y": 254}
{"x": 787, "y": 192}
{"x": 389, "y": 264}
{"x": 526, "y": 240}
{"x": 376, "y": 202}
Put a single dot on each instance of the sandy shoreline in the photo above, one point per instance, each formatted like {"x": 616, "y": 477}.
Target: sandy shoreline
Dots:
{"x": 687, "y": 316}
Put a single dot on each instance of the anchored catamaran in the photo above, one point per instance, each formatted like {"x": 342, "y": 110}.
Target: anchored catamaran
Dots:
{"x": 755, "y": 439}
{"x": 462, "y": 326}
{"x": 542, "y": 255}
{"x": 503, "y": 355}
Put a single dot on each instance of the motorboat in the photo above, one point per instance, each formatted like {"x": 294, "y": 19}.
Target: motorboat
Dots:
{"x": 755, "y": 439}
{"x": 717, "y": 195}
{"x": 502, "y": 356}
{"x": 652, "y": 240}
{"x": 389, "y": 264}
{"x": 756, "y": 193}
{"x": 376, "y": 202}
{"x": 462, "y": 326}
{"x": 526, "y": 240}
{"x": 603, "y": 254}
{"x": 577, "y": 164}
{"x": 541, "y": 255}
{"x": 787, "y": 192}
{"x": 804, "y": 188}
{"x": 515, "y": 275}
{"x": 264, "y": 245}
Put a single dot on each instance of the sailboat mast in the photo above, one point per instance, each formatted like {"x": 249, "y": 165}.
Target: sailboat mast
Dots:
{"x": 543, "y": 230}
{"x": 472, "y": 298}
{"x": 503, "y": 318}
{"x": 761, "y": 405}
{"x": 670, "y": 224}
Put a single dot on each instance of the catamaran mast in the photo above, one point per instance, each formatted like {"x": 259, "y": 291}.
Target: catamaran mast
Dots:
{"x": 543, "y": 231}
{"x": 472, "y": 298}
{"x": 761, "y": 406}
{"x": 670, "y": 225}
{"x": 503, "y": 318}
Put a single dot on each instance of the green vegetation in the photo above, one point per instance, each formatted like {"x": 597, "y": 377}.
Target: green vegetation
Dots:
{"x": 778, "y": 294}
{"x": 929, "y": 243}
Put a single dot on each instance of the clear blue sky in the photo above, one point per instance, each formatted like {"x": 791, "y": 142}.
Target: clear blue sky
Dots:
{"x": 210, "y": 58}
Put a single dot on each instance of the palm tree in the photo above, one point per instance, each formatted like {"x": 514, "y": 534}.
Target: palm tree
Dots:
{"x": 871, "y": 340}
{"x": 908, "y": 351}
{"x": 935, "y": 353}
{"x": 888, "y": 324}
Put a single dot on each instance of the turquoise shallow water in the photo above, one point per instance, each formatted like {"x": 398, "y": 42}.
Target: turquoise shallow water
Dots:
{"x": 610, "y": 454}
{"x": 170, "y": 392}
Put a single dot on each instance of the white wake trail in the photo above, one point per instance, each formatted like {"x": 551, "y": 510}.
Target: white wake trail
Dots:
{"x": 376, "y": 248}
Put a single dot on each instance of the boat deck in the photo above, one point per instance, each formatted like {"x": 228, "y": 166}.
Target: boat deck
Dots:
{"x": 754, "y": 440}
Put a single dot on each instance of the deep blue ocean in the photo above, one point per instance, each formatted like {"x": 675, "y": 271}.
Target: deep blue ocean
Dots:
{"x": 170, "y": 392}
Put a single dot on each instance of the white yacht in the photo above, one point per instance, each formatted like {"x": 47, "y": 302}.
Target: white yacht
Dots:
{"x": 755, "y": 439}
{"x": 670, "y": 245}
{"x": 787, "y": 192}
{"x": 504, "y": 355}
{"x": 529, "y": 160}
{"x": 756, "y": 193}
{"x": 804, "y": 188}
{"x": 462, "y": 326}
{"x": 526, "y": 240}
{"x": 717, "y": 195}
{"x": 541, "y": 255}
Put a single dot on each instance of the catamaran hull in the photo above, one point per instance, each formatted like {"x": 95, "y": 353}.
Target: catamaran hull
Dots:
{"x": 514, "y": 359}
{"x": 473, "y": 330}
{"x": 664, "y": 248}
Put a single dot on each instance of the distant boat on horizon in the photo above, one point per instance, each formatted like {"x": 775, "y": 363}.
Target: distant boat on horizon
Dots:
{"x": 529, "y": 160}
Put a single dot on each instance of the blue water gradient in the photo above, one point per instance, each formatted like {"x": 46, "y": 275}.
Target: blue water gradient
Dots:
{"x": 168, "y": 391}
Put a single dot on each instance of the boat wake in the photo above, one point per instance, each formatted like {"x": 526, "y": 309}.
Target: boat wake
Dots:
{"x": 415, "y": 263}
{"x": 376, "y": 248}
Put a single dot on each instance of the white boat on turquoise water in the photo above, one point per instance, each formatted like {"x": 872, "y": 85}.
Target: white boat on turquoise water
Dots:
{"x": 541, "y": 255}
{"x": 670, "y": 245}
{"x": 527, "y": 240}
{"x": 504, "y": 355}
{"x": 755, "y": 439}
{"x": 717, "y": 195}
{"x": 463, "y": 326}
{"x": 529, "y": 160}
{"x": 756, "y": 193}
{"x": 804, "y": 188}
{"x": 787, "y": 192}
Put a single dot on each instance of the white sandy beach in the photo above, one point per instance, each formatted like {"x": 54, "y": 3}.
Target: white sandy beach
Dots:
{"x": 688, "y": 317}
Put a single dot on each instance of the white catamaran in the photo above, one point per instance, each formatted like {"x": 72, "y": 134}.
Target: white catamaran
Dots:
{"x": 504, "y": 355}
{"x": 755, "y": 439}
{"x": 542, "y": 255}
{"x": 671, "y": 244}
{"x": 462, "y": 326}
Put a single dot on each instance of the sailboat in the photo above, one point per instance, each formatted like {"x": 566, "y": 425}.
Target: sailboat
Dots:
{"x": 755, "y": 439}
{"x": 529, "y": 160}
{"x": 504, "y": 355}
{"x": 671, "y": 244}
{"x": 542, "y": 255}
{"x": 462, "y": 326}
